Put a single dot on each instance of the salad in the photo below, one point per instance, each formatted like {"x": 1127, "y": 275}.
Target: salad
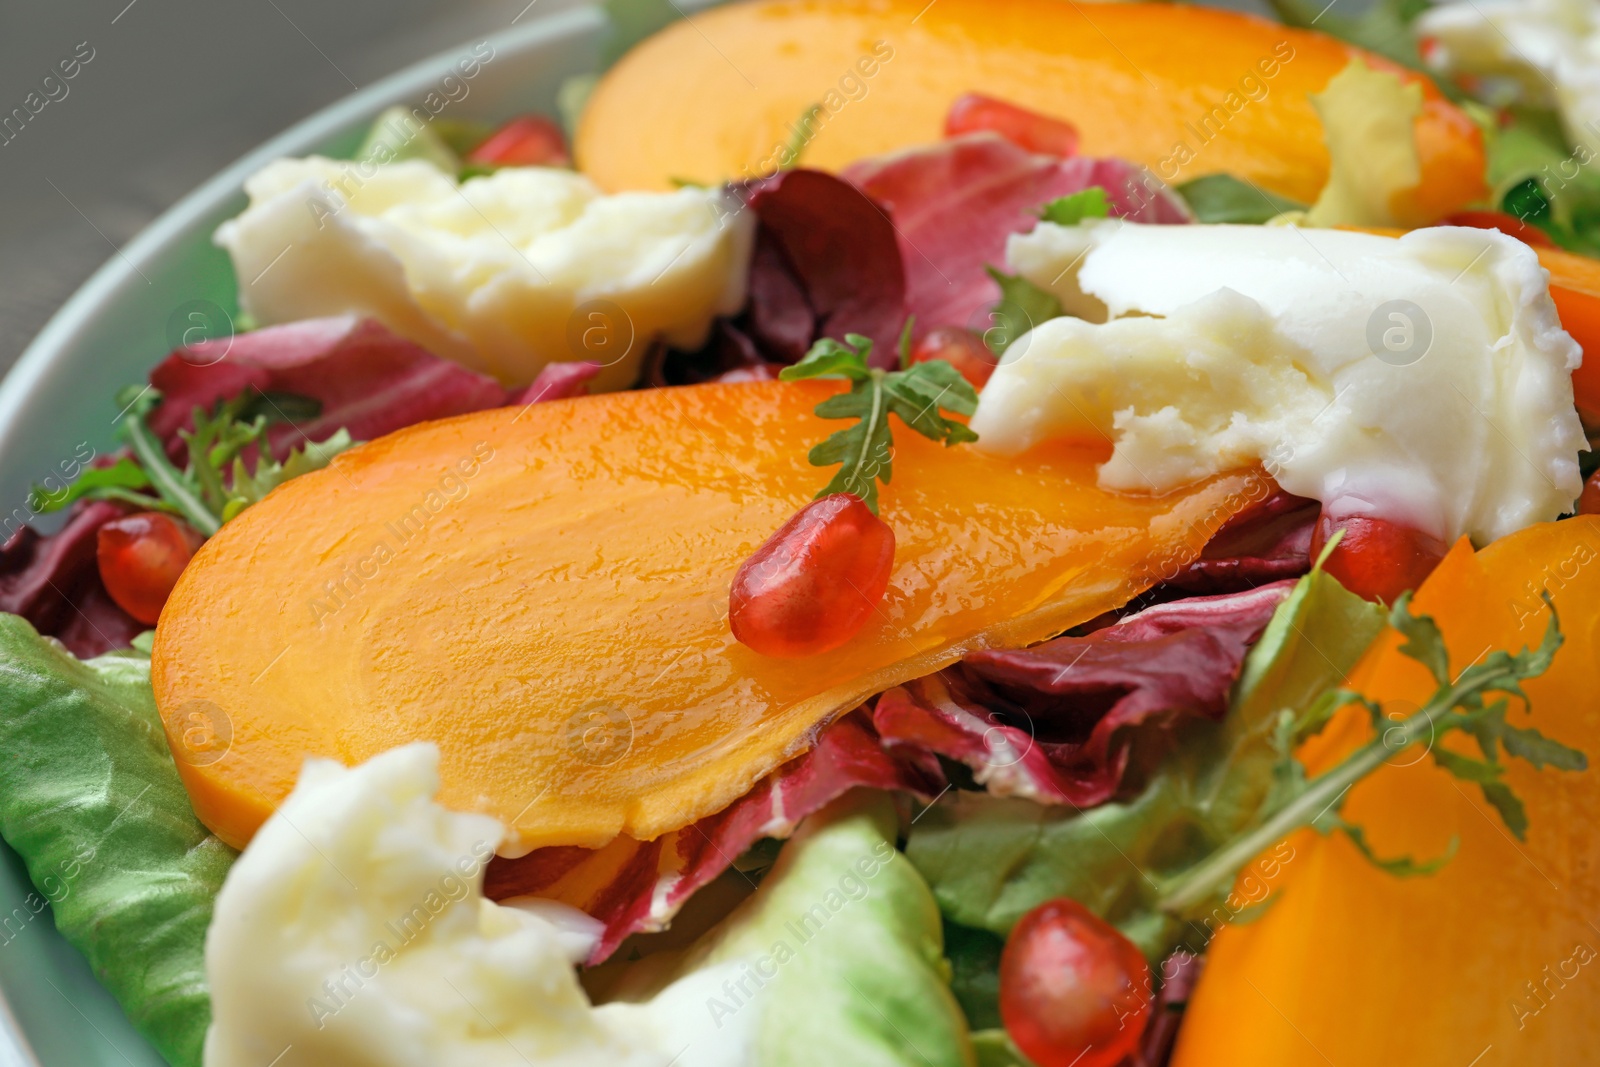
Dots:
{"x": 889, "y": 533}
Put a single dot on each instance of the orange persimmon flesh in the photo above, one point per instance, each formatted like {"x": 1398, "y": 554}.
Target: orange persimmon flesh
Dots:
{"x": 1575, "y": 287}
{"x": 1186, "y": 90}
{"x": 543, "y": 593}
{"x": 1494, "y": 951}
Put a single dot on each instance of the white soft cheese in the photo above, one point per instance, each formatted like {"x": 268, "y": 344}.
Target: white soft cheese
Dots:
{"x": 353, "y": 932}
{"x": 1539, "y": 51}
{"x": 503, "y": 273}
{"x": 1203, "y": 348}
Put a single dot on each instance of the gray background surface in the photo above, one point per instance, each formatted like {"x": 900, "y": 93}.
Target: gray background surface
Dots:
{"x": 177, "y": 89}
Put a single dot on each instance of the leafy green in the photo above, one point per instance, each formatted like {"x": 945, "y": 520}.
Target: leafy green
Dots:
{"x": 1534, "y": 175}
{"x": 248, "y": 487}
{"x": 916, "y": 395}
{"x": 1160, "y": 864}
{"x": 994, "y": 1049}
{"x": 974, "y": 957}
{"x": 631, "y": 21}
{"x": 839, "y": 950}
{"x": 1383, "y": 27}
{"x": 1224, "y": 198}
{"x": 1090, "y": 203}
{"x": 217, "y": 484}
{"x": 397, "y": 134}
{"x": 90, "y": 799}
{"x": 1022, "y": 306}
{"x": 116, "y": 482}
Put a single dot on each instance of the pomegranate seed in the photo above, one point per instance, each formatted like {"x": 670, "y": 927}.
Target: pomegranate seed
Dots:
{"x": 1589, "y": 502}
{"x": 1507, "y": 224}
{"x": 1024, "y": 128}
{"x": 1073, "y": 991}
{"x": 140, "y": 558}
{"x": 529, "y": 141}
{"x": 1377, "y": 559}
{"x": 962, "y": 349}
{"x": 814, "y": 584}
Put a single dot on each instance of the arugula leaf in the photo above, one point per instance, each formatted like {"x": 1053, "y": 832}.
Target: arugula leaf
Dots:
{"x": 249, "y": 487}
{"x": 1090, "y": 203}
{"x": 207, "y": 493}
{"x": 1224, "y": 198}
{"x": 916, "y": 394}
{"x": 116, "y": 482}
{"x": 1160, "y": 865}
{"x": 1022, "y": 306}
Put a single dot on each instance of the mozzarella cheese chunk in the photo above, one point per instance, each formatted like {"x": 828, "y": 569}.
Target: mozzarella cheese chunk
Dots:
{"x": 503, "y": 273}
{"x": 353, "y": 931}
{"x": 1424, "y": 379}
{"x": 1545, "y": 52}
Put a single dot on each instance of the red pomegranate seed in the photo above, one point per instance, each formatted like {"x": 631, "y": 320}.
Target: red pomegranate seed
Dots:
{"x": 962, "y": 349}
{"x": 140, "y": 558}
{"x": 1376, "y": 558}
{"x": 1024, "y": 128}
{"x": 1505, "y": 223}
{"x": 814, "y": 584}
{"x": 1073, "y": 991}
{"x": 529, "y": 141}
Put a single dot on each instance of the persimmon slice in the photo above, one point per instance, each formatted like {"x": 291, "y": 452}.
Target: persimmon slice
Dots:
{"x": 1185, "y": 90}
{"x": 544, "y": 593}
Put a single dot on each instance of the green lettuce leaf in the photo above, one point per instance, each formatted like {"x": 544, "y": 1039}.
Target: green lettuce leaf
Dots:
{"x": 1224, "y": 198}
{"x": 90, "y": 799}
{"x": 990, "y": 860}
{"x": 851, "y": 939}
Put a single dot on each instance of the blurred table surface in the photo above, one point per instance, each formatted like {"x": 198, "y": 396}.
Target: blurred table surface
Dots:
{"x": 176, "y": 90}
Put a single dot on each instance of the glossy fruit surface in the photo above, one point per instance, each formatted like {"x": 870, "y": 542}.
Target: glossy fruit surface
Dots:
{"x": 141, "y": 557}
{"x": 529, "y": 141}
{"x": 975, "y": 112}
{"x": 815, "y": 582}
{"x": 1494, "y": 950}
{"x": 961, "y": 348}
{"x": 1376, "y": 558}
{"x": 1073, "y": 991}
{"x": 1183, "y": 89}
{"x": 567, "y": 567}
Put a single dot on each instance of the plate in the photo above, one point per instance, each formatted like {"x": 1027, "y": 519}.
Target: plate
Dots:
{"x": 58, "y": 399}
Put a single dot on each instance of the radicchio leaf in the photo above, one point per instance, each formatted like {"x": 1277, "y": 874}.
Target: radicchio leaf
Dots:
{"x": 823, "y": 241}
{"x": 1051, "y": 722}
{"x": 1266, "y": 542}
{"x": 954, "y": 204}
{"x": 637, "y": 886}
{"x": 366, "y": 379}
{"x": 53, "y": 581}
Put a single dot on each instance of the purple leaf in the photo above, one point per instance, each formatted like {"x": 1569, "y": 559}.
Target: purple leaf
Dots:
{"x": 638, "y": 886}
{"x": 954, "y": 204}
{"x": 368, "y": 380}
{"x": 841, "y": 257}
{"x": 1054, "y": 722}
{"x": 53, "y": 581}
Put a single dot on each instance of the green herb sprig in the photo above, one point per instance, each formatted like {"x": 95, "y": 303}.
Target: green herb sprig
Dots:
{"x": 216, "y": 484}
{"x": 915, "y": 394}
{"x": 1474, "y": 702}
